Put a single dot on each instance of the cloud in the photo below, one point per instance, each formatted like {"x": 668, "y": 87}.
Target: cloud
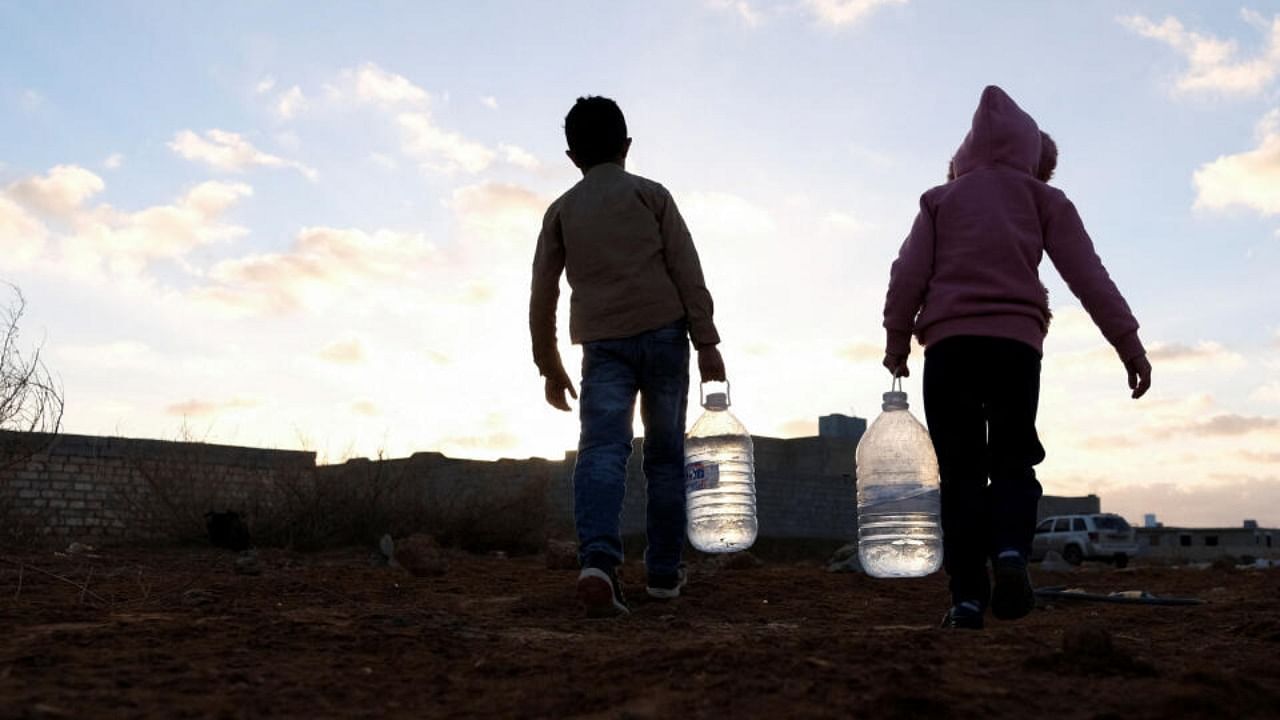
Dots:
{"x": 492, "y": 436}
{"x": 90, "y": 237}
{"x": 726, "y": 214}
{"x": 384, "y": 161}
{"x": 1226, "y": 502}
{"x": 1250, "y": 179}
{"x": 229, "y": 152}
{"x": 343, "y": 352}
{"x": 843, "y": 13}
{"x": 59, "y": 192}
{"x": 440, "y": 150}
{"x": 1229, "y": 425}
{"x": 1267, "y": 392}
{"x": 264, "y": 85}
{"x": 113, "y": 162}
{"x": 1201, "y": 355}
{"x": 366, "y": 408}
{"x": 22, "y": 237}
{"x": 745, "y": 11}
{"x": 490, "y": 102}
{"x": 198, "y": 408}
{"x": 121, "y": 355}
{"x": 371, "y": 84}
{"x": 806, "y": 427}
{"x": 31, "y": 100}
{"x": 1214, "y": 65}
{"x": 127, "y": 241}
{"x": 323, "y": 266}
{"x": 499, "y": 215}
{"x": 519, "y": 157}
{"x": 290, "y": 103}
{"x": 863, "y": 352}
{"x": 1260, "y": 457}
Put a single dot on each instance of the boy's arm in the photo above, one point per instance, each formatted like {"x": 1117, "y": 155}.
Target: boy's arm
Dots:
{"x": 686, "y": 272}
{"x": 548, "y": 263}
{"x": 908, "y": 280}
{"x": 1072, "y": 252}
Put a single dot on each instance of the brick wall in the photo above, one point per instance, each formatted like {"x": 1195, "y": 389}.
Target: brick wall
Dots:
{"x": 88, "y": 487}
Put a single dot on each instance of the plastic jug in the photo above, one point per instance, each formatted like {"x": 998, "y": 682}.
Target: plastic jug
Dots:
{"x": 719, "y": 471}
{"x": 899, "y": 502}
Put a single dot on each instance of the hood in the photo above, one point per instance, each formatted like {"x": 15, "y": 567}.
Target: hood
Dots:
{"x": 1002, "y": 133}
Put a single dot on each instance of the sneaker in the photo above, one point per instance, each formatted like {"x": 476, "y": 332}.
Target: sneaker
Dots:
{"x": 600, "y": 592}
{"x": 666, "y": 587}
{"x": 1012, "y": 597}
{"x": 963, "y": 616}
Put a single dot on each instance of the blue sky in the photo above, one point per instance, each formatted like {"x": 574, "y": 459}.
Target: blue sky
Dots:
{"x": 293, "y": 225}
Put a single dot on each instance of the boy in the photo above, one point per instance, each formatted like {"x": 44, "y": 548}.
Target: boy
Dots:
{"x": 966, "y": 283}
{"x": 638, "y": 296}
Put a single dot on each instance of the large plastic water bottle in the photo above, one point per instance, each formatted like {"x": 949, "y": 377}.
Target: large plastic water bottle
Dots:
{"x": 720, "y": 487}
{"x": 898, "y": 496}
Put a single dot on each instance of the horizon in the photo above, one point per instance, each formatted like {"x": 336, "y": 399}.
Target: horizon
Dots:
{"x": 317, "y": 235}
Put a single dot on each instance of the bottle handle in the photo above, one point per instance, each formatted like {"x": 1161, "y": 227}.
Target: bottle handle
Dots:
{"x": 702, "y": 394}
{"x": 896, "y": 384}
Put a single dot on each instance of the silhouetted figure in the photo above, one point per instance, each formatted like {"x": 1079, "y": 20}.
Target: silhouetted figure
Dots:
{"x": 966, "y": 283}
{"x": 227, "y": 530}
{"x": 638, "y": 297}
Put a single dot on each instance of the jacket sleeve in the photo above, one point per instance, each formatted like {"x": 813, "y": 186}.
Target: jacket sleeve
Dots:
{"x": 548, "y": 263}
{"x": 682, "y": 263}
{"x": 908, "y": 280}
{"x": 1071, "y": 251}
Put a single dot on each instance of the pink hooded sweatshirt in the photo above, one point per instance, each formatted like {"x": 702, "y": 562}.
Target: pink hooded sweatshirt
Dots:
{"x": 969, "y": 266}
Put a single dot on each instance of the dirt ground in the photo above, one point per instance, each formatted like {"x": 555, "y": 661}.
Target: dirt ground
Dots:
{"x": 177, "y": 633}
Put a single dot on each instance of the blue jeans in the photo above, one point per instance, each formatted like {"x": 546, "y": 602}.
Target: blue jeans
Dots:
{"x": 654, "y": 364}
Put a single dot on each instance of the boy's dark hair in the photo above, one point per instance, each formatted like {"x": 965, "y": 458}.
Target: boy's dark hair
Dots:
{"x": 595, "y": 130}
{"x": 1048, "y": 158}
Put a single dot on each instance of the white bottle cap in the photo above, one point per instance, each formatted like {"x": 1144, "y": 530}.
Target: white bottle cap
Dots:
{"x": 716, "y": 401}
{"x": 894, "y": 400}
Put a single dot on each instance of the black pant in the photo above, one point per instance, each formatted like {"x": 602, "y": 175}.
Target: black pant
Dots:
{"x": 980, "y": 398}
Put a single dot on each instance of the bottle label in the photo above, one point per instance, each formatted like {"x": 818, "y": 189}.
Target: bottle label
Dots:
{"x": 701, "y": 476}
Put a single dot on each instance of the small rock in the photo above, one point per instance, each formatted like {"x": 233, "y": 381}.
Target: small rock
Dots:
{"x": 561, "y": 554}
{"x": 1087, "y": 641}
{"x": 197, "y": 597}
{"x": 247, "y": 563}
{"x": 845, "y": 560}
{"x": 1053, "y": 562}
{"x": 421, "y": 556}
{"x": 76, "y": 548}
{"x": 739, "y": 561}
{"x": 845, "y": 552}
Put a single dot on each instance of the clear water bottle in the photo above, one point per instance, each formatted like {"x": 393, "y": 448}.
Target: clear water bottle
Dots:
{"x": 720, "y": 487}
{"x": 898, "y": 494}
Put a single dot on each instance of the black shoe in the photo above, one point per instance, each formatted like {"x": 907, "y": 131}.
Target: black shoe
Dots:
{"x": 666, "y": 587}
{"x": 600, "y": 592}
{"x": 963, "y": 616}
{"x": 1012, "y": 597}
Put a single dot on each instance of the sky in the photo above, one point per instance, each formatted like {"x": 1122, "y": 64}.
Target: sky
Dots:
{"x": 302, "y": 225}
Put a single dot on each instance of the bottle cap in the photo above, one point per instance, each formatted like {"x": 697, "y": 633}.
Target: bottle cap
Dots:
{"x": 894, "y": 400}
{"x": 716, "y": 401}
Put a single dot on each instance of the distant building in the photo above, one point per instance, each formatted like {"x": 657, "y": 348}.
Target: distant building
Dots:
{"x": 841, "y": 427}
{"x": 1208, "y": 544}
{"x": 1051, "y": 505}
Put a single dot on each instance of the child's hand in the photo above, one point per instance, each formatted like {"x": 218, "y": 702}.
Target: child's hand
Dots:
{"x": 710, "y": 364}
{"x": 557, "y": 383}
{"x": 897, "y": 364}
{"x": 1139, "y": 375}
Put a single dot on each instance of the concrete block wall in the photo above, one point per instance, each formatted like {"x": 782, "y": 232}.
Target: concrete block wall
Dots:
{"x": 81, "y": 486}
